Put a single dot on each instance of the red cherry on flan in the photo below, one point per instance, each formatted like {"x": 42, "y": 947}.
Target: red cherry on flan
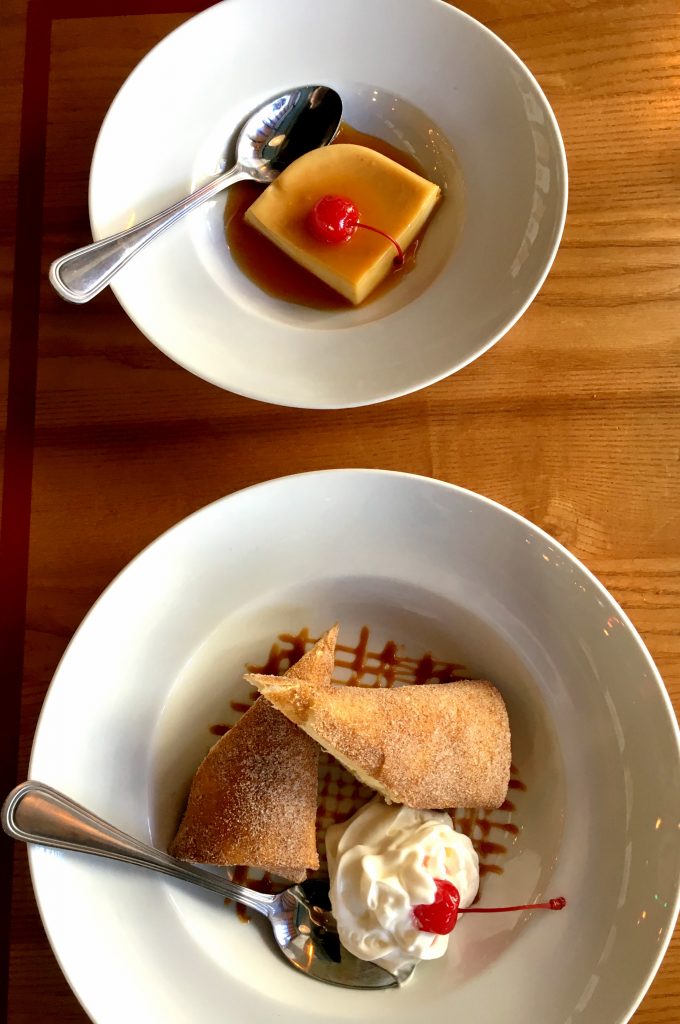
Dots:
{"x": 333, "y": 219}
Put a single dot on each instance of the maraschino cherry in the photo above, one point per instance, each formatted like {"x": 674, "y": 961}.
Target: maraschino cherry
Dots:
{"x": 334, "y": 219}
{"x": 440, "y": 917}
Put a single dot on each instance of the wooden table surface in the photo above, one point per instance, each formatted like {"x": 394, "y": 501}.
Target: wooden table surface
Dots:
{"x": 573, "y": 420}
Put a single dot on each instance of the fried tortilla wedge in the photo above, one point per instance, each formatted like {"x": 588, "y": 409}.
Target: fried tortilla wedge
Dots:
{"x": 253, "y": 798}
{"x": 431, "y": 746}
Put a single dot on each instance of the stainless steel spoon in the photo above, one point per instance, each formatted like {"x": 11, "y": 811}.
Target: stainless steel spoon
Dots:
{"x": 272, "y": 137}
{"x": 304, "y": 931}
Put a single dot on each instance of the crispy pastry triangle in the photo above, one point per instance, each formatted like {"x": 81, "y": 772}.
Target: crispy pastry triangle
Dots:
{"x": 432, "y": 746}
{"x": 253, "y": 798}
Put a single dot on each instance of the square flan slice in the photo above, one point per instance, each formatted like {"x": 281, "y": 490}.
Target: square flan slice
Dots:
{"x": 388, "y": 197}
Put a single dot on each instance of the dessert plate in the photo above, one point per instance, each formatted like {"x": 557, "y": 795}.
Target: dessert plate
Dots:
{"x": 433, "y": 568}
{"x": 424, "y": 77}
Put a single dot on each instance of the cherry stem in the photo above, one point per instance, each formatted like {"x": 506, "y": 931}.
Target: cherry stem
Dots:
{"x": 558, "y": 903}
{"x": 400, "y": 252}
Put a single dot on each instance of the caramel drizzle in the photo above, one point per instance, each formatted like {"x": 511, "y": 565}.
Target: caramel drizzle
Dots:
{"x": 387, "y": 667}
{"x": 263, "y": 882}
{"x": 340, "y": 794}
{"x": 478, "y": 825}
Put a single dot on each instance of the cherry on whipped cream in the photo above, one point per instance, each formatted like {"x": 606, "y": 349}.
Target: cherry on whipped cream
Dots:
{"x": 440, "y": 917}
{"x": 334, "y": 219}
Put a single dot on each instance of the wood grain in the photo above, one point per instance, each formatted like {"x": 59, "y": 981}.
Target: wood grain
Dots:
{"x": 573, "y": 420}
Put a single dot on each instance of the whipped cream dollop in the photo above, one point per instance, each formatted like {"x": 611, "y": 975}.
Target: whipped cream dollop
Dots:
{"x": 382, "y": 863}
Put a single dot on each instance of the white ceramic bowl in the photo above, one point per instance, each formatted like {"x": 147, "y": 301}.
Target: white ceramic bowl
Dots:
{"x": 162, "y": 652}
{"x": 420, "y": 74}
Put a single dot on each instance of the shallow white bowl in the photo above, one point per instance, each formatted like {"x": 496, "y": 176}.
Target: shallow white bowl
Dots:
{"x": 420, "y": 74}
{"x": 441, "y": 569}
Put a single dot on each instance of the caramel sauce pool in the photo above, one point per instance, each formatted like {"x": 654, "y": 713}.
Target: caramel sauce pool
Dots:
{"x": 279, "y": 275}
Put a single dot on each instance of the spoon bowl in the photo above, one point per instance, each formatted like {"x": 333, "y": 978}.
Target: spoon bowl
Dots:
{"x": 307, "y": 935}
{"x": 272, "y": 137}
{"x": 284, "y": 129}
{"x": 303, "y": 926}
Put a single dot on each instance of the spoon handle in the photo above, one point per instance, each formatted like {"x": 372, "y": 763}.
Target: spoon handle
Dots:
{"x": 80, "y": 275}
{"x": 36, "y": 813}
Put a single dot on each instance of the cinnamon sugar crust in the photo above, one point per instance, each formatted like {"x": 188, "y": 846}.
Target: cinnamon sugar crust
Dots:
{"x": 431, "y": 746}
{"x": 253, "y": 798}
